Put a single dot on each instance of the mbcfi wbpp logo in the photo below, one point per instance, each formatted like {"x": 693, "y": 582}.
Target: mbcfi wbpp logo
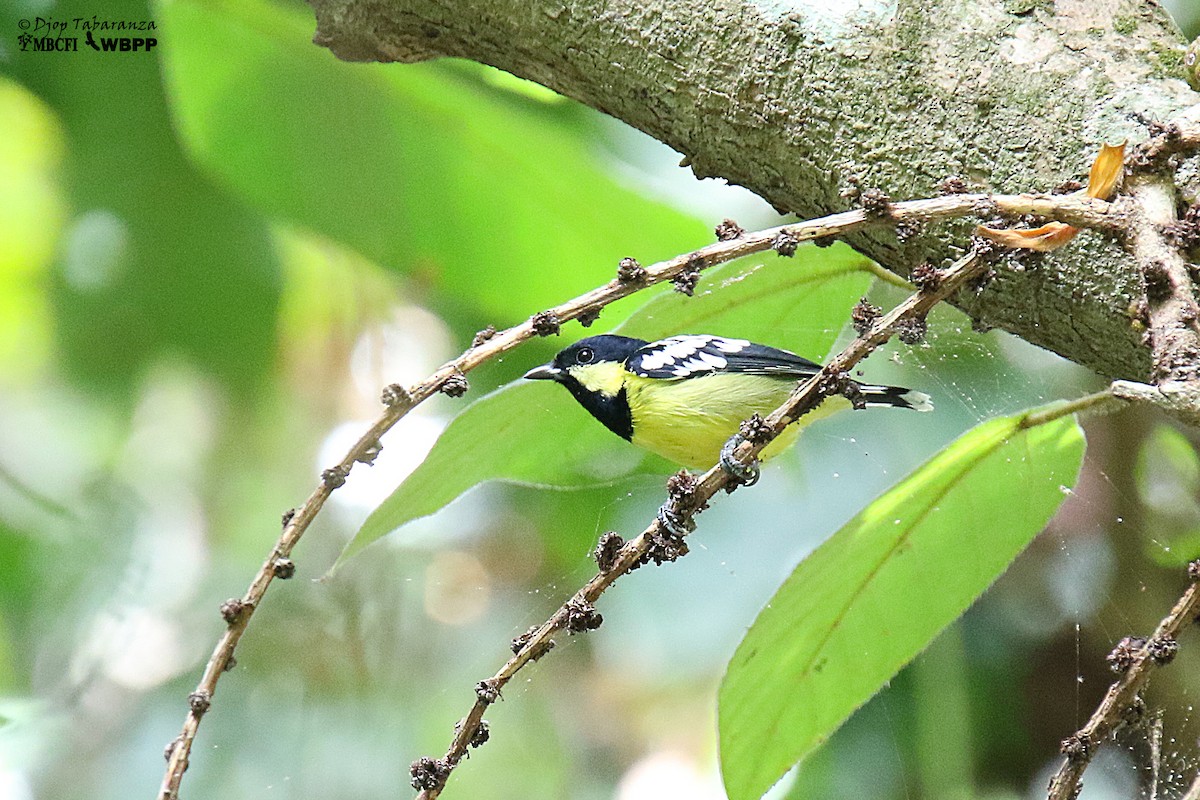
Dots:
{"x": 121, "y": 44}
{"x": 53, "y": 40}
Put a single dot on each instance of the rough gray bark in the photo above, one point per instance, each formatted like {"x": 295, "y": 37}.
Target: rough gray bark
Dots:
{"x": 804, "y": 103}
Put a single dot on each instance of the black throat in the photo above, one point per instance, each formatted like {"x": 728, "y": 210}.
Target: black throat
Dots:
{"x": 612, "y": 410}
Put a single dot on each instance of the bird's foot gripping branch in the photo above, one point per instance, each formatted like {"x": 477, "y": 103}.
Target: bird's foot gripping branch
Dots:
{"x": 739, "y": 473}
{"x": 1135, "y": 216}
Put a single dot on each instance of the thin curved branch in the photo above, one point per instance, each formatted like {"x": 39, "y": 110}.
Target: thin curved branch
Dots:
{"x": 1193, "y": 792}
{"x": 1136, "y": 659}
{"x": 1179, "y": 399}
{"x": 1074, "y": 209}
{"x": 689, "y": 496}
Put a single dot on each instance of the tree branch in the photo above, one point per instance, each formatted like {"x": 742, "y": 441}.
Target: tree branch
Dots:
{"x": 1172, "y": 313}
{"x": 586, "y": 307}
{"x": 1135, "y": 658}
{"x": 1193, "y": 792}
{"x": 808, "y": 103}
{"x": 689, "y": 496}
{"x": 1074, "y": 209}
{"x": 1169, "y": 312}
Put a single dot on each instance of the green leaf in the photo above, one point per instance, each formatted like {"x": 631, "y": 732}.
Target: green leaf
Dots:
{"x": 536, "y": 434}
{"x": 800, "y": 304}
{"x": 868, "y": 600}
{"x": 501, "y": 436}
{"x": 495, "y": 199}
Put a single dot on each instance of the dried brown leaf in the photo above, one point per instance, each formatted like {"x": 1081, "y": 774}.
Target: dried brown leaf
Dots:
{"x": 1105, "y": 173}
{"x": 1050, "y": 236}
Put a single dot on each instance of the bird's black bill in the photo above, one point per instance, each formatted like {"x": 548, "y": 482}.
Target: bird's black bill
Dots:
{"x": 546, "y": 372}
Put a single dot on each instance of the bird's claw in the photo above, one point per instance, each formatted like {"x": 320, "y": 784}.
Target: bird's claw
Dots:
{"x": 744, "y": 474}
{"x": 673, "y": 522}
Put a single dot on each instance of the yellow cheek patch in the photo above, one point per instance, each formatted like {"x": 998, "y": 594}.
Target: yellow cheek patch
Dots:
{"x": 607, "y": 377}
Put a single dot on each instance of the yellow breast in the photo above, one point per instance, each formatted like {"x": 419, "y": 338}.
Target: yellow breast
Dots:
{"x": 688, "y": 421}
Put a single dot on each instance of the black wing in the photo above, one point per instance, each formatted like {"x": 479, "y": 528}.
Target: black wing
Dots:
{"x": 690, "y": 356}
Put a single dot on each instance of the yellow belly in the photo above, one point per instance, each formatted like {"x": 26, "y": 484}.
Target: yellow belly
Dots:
{"x": 688, "y": 421}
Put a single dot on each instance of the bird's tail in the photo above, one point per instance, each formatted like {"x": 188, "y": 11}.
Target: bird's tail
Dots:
{"x": 897, "y": 396}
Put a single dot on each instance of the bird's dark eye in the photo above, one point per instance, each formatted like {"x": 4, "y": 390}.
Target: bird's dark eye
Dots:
{"x": 585, "y": 355}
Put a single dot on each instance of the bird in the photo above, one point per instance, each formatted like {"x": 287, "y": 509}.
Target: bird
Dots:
{"x": 683, "y": 397}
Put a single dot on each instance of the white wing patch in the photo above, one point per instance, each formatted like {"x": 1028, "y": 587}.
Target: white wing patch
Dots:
{"x": 729, "y": 345}
{"x": 682, "y": 356}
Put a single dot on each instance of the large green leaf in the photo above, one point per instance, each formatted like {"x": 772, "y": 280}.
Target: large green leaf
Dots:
{"x": 495, "y": 198}
{"x": 536, "y": 433}
{"x": 875, "y": 594}
{"x": 502, "y": 436}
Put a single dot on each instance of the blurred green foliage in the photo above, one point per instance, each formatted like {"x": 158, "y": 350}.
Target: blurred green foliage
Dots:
{"x": 213, "y": 256}
{"x": 141, "y": 271}
{"x": 422, "y": 170}
{"x": 1168, "y": 480}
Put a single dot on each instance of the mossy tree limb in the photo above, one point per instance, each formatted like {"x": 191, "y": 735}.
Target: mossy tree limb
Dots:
{"x": 805, "y": 104}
